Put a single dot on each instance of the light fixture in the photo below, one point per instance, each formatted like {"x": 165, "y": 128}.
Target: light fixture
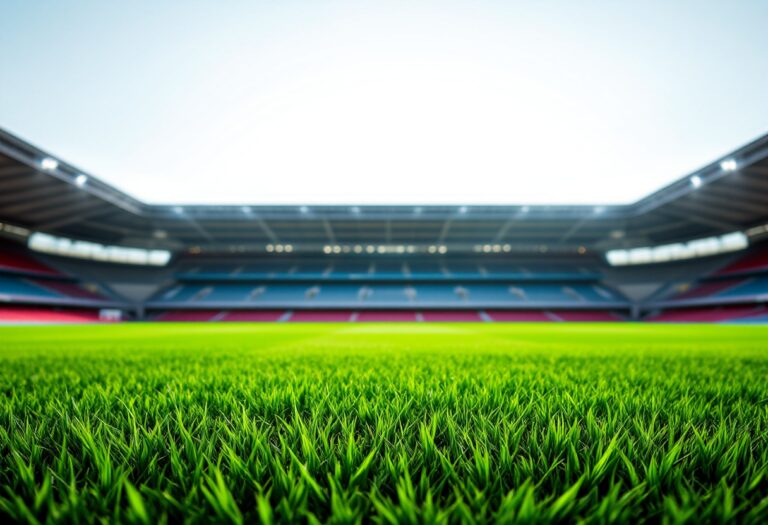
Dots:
{"x": 80, "y": 180}
{"x": 49, "y": 164}
{"x": 728, "y": 165}
{"x": 696, "y": 181}
{"x": 246, "y": 210}
{"x": 463, "y": 210}
{"x": 304, "y": 210}
{"x": 178, "y": 210}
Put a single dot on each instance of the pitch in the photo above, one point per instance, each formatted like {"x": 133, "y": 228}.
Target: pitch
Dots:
{"x": 427, "y": 423}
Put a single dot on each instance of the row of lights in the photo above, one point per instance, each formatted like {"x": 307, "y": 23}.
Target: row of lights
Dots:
{"x": 50, "y": 164}
{"x": 728, "y": 165}
{"x": 493, "y": 248}
{"x": 381, "y": 248}
{"x": 280, "y": 248}
{"x": 370, "y": 248}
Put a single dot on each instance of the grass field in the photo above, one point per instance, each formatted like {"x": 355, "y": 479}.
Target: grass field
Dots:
{"x": 427, "y": 423}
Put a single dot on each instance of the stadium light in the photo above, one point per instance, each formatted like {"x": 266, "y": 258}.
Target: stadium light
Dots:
{"x": 49, "y": 164}
{"x": 66, "y": 247}
{"x": 674, "y": 252}
{"x": 463, "y": 210}
{"x": 304, "y": 210}
{"x": 355, "y": 210}
{"x": 728, "y": 165}
{"x": 178, "y": 210}
{"x": 525, "y": 209}
{"x": 696, "y": 181}
{"x": 246, "y": 209}
{"x": 80, "y": 180}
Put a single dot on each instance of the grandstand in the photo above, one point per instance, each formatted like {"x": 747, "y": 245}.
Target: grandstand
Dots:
{"x": 73, "y": 248}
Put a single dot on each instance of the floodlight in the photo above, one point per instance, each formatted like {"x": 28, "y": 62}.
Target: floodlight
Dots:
{"x": 728, "y": 165}
{"x": 49, "y": 164}
{"x": 696, "y": 181}
{"x": 80, "y": 180}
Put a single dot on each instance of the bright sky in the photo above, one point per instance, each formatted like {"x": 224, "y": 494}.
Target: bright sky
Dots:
{"x": 396, "y": 102}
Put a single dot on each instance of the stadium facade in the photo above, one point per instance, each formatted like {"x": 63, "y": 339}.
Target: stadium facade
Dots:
{"x": 73, "y": 248}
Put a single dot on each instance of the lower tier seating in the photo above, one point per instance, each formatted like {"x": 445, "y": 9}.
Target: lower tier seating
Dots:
{"x": 20, "y": 314}
{"x": 708, "y": 315}
{"x": 343, "y": 296}
{"x": 365, "y": 316}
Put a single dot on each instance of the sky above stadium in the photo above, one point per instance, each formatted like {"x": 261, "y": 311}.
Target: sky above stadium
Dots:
{"x": 315, "y": 102}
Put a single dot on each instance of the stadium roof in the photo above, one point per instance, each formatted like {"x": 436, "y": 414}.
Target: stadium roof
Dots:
{"x": 40, "y": 193}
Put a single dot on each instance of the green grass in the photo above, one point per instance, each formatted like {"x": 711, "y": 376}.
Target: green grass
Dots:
{"x": 387, "y": 423}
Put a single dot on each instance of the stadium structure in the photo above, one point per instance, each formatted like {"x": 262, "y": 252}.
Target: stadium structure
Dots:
{"x": 74, "y": 248}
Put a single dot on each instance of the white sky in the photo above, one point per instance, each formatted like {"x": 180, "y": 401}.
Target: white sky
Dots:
{"x": 385, "y": 102}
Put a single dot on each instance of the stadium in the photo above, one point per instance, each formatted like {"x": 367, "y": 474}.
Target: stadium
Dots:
{"x": 371, "y": 359}
{"x": 76, "y": 248}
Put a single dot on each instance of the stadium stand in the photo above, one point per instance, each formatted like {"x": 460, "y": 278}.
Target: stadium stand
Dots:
{"x": 13, "y": 260}
{"x": 708, "y": 315}
{"x": 69, "y": 249}
{"x": 21, "y": 314}
{"x": 756, "y": 261}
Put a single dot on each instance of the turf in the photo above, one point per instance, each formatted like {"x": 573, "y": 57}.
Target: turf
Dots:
{"x": 442, "y": 423}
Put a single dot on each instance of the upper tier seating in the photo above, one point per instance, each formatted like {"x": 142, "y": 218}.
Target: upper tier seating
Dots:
{"x": 14, "y": 261}
{"x": 755, "y": 261}
{"x": 381, "y": 269}
{"x": 340, "y": 294}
